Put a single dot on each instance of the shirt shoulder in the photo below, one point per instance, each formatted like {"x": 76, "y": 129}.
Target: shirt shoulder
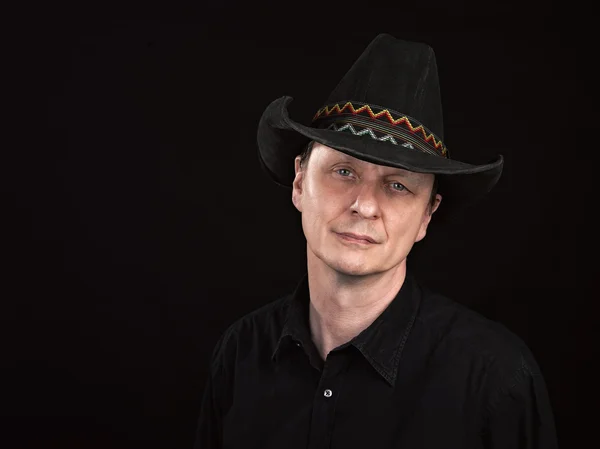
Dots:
{"x": 469, "y": 337}
{"x": 258, "y": 329}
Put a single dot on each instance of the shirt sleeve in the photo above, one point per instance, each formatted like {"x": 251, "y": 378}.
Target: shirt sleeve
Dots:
{"x": 209, "y": 429}
{"x": 521, "y": 416}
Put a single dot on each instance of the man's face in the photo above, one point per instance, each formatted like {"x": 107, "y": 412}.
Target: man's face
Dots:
{"x": 337, "y": 193}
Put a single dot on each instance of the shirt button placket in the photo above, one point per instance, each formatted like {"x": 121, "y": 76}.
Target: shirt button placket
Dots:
{"x": 324, "y": 406}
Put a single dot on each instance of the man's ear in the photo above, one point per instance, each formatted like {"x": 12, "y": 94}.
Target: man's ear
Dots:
{"x": 427, "y": 217}
{"x": 436, "y": 204}
{"x": 297, "y": 184}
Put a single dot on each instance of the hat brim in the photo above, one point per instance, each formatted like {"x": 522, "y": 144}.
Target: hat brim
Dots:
{"x": 281, "y": 139}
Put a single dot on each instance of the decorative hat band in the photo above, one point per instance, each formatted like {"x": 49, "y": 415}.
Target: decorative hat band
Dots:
{"x": 379, "y": 123}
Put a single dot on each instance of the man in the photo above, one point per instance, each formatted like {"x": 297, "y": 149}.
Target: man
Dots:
{"x": 360, "y": 355}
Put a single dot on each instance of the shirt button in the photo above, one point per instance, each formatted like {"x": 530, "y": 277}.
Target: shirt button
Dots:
{"x": 327, "y": 393}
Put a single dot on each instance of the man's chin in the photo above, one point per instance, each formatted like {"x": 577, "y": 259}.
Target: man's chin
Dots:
{"x": 349, "y": 269}
{"x": 345, "y": 262}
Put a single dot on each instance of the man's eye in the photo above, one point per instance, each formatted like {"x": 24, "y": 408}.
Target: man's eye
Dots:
{"x": 397, "y": 186}
{"x": 342, "y": 169}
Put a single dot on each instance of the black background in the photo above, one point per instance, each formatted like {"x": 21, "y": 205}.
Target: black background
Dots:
{"x": 139, "y": 223}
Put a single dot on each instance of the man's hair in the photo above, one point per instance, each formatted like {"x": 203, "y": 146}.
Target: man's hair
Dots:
{"x": 305, "y": 156}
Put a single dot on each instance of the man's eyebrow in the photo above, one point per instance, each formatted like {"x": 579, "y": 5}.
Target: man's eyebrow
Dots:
{"x": 397, "y": 171}
{"x": 400, "y": 171}
{"x": 403, "y": 173}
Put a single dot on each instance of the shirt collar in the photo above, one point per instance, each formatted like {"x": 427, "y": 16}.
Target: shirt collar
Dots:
{"x": 381, "y": 343}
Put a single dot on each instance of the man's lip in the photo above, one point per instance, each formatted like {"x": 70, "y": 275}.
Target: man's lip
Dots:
{"x": 358, "y": 237}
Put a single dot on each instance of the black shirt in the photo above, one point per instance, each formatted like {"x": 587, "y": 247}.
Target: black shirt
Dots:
{"x": 427, "y": 373}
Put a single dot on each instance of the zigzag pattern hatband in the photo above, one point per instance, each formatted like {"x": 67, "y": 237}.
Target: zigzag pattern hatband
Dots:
{"x": 381, "y": 124}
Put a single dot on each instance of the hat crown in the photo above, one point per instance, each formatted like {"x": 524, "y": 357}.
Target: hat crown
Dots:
{"x": 398, "y": 75}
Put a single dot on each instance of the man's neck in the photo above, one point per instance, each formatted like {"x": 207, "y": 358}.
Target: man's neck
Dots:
{"x": 342, "y": 306}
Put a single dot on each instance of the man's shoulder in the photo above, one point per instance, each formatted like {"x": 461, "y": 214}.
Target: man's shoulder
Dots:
{"x": 264, "y": 323}
{"x": 470, "y": 335}
{"x": 271, "y": 314}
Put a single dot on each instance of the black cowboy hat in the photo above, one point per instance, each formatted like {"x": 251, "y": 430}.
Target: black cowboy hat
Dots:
{"x": 386, "y": 110}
